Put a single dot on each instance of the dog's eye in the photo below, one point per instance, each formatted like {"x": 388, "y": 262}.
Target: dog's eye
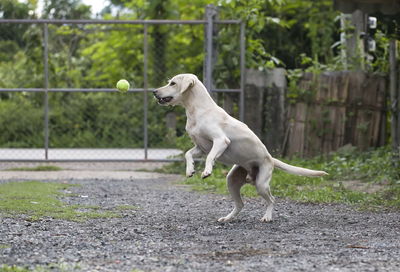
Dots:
{"x": 172, "y": 83}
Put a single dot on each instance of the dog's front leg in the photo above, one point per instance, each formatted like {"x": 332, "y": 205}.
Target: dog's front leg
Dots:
{"x": 193, "y": 152}
{"x": 219, "y": 146}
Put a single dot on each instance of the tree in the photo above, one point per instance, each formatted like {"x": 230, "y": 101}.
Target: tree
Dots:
{"x": 13, "y": 9}
{"x": 65, "y": 9}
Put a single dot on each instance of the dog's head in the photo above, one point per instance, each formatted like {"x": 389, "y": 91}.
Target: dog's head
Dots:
{"x": 172, "y": 93}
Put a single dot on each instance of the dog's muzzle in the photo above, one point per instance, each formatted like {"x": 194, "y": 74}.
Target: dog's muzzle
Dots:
{"x": 163, "y": 100}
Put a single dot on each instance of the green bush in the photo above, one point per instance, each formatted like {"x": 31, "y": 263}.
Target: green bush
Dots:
{"x": 21, "y": 122}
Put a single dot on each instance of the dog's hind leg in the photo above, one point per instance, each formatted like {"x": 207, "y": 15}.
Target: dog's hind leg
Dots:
{"x": 263, "y": 189}
{"x": 236, "y": 178}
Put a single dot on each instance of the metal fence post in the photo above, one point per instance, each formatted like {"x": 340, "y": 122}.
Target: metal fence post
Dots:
{"x": 145, "y": 86}
{"x": 210, "y": 13}
{"x": 242, "y": 69}
{"x": 46, "y": 97}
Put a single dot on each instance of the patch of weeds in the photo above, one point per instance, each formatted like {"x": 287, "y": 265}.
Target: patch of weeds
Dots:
{"x": 13, "y": 268}
{"x": 375, "y": 165}
{"x": 390, "y": 196}
{"x": 39, "y": 199}
{"x": 148, "y": 170}
{"x": 37, "y": 168}
{"x": 314, "y": 190}
{"x": 3, "y": 246}
{"x": 62, "y": 267}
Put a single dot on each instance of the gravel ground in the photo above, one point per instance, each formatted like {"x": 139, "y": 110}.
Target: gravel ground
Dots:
{"x": 175, "y": 229}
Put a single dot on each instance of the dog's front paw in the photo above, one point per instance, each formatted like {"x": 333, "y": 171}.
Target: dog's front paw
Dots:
{"x": 205, "y": 174}
{"x": 190, "y": 173}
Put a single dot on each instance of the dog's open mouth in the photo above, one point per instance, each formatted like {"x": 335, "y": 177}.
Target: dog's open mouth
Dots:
{"x": 163, "y": 100}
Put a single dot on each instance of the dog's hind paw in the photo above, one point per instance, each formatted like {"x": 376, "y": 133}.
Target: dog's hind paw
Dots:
{"x": 266, "y": 219}
{"x": 224, "y": 219}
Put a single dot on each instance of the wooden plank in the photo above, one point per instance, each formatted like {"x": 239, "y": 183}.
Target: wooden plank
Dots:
{"x": 313, "y": 137}
{"x": 338, "y": 127}
{"x": 376, "y": 126}
{"x": 296, "y": 137}
{"x": 345, "y": 87}
{"x": 394, "y": 98}
{"x": 363, "y": 129}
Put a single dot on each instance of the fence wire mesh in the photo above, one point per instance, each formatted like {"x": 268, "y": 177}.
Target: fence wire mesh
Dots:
{"x": 59, "y": 102}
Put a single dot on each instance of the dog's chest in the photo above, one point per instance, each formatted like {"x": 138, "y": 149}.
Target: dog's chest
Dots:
{"x": 198, "y": 138}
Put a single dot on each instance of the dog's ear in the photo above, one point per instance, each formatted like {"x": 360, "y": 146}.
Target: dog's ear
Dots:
{"x": 187, "y": 82}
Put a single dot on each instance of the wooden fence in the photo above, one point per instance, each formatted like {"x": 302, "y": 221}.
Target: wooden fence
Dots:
{"x": 341, "y": 108}
{"x": 336, "y": 109}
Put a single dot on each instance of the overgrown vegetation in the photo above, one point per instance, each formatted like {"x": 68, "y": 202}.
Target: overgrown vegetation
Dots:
{"x": 367, "y": 168}
{"x": 41, "y": 199}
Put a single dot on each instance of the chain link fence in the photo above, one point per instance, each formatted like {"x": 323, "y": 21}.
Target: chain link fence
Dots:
{"x": 57, "y": 95}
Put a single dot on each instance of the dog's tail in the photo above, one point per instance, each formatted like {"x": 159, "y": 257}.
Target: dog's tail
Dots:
{"x": 297, "y": 170}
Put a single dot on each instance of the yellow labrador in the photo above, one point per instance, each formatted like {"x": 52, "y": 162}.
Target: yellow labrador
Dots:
{"x": 221, "y": 137}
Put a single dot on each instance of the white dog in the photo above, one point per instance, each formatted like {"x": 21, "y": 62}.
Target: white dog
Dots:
{"x": 223, "y": 138}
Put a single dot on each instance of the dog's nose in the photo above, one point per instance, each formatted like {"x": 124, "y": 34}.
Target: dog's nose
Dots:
{"x": 155, "y": 92}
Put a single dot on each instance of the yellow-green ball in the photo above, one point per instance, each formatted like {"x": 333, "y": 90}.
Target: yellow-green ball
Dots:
{"x": 123, "y": 85}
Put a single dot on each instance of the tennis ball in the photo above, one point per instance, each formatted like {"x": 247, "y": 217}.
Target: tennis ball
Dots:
{"x": 123, "y": 85}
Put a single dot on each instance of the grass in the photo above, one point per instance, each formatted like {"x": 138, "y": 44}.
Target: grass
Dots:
{"x": 40, "y": 199}
{"x": 372, "y": 167}
{"x": 37, "y": 168}
{"x": 13, "y": 268}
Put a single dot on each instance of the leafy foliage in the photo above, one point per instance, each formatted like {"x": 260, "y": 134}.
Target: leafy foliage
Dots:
{"x": 21, "y": 121}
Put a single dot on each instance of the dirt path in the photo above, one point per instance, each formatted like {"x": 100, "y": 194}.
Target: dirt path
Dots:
{"x": 175, "y": 229}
